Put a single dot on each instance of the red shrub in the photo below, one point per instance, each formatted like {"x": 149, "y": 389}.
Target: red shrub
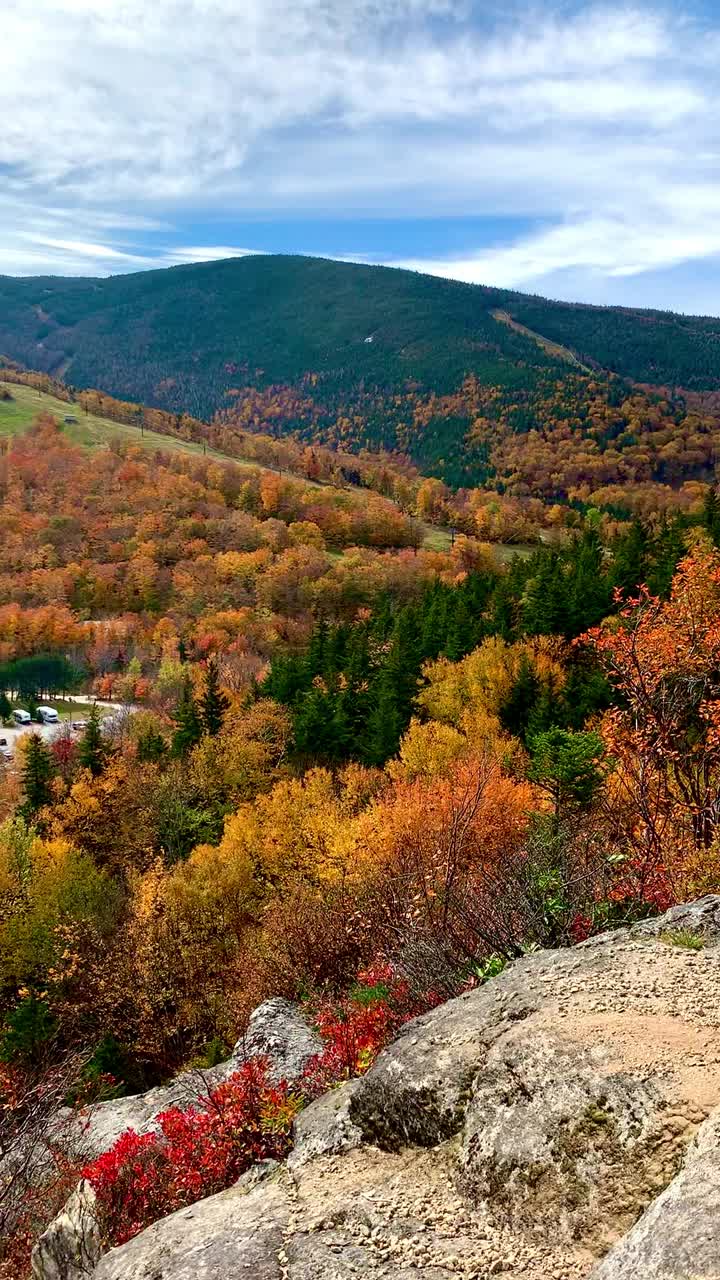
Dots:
{"x": 201, "y": 1150}
{"x": 194, "y": 1152}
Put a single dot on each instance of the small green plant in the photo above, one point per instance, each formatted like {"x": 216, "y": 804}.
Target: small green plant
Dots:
{"x": 367, "y": 995}
{"x": 688, "y": 938}
{"x": 489, "y": 968}
{"x": 215, "y": 1052}
{"x": 27, "y": 1032}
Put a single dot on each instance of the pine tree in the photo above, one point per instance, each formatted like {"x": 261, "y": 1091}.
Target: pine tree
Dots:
{"x": 37, "y": 776}
{"x": 630, "y": 559}
{"x": 5, "y": 707}
{"x": 313, "y": 722}
{"x": 547, "y": 711}
{"x": 711, "y": 515}
{"x": 668, "y": 548}
{"x": 522, "y": 699}
{"x": 545, "y": 600}
{"x": 384, "y": 723}
{"x": 188, "y": 725}
{"x": 569, "y": 766}
{"x": 315, "y": 656}
{"x": 213, "y": 703}
{"x": 591, "y": 593}
{"x": 92, "y": 750}
{"x": 151, "y": 746}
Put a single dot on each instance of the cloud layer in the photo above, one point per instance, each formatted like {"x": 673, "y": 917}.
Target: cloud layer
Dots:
{"x": 126, "y": 125}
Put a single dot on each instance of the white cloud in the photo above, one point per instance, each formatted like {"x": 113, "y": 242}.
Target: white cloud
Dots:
{"x": 121, "y": 119}
{"x": 601, "y": 245}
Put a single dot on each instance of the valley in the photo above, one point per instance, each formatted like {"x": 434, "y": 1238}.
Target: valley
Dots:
{"x": 402, "y": 668}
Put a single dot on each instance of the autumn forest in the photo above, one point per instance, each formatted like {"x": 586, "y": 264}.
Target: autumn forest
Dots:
{"x": 381, "y": 681}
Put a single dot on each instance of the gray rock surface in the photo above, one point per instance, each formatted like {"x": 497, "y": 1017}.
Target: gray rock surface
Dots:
{"x": 418, "y": 1089}
{"x": 555, "y": 1137}
{"x": 325, "y": 1127}
{"x": 522, "y": 1130}
{"x": 678, "y": 1237}
{"x": 71, "y": 1246}
{"x": 278, "y": 1031}
{"x": 237, "y": 1233}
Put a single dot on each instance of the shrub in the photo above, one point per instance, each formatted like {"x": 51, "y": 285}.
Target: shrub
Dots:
{"x": 194, "y": 1153}
{"x": 205, "y": 1148}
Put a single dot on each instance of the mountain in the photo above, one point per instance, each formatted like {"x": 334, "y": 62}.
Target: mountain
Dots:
{"x": 356, "y": 355}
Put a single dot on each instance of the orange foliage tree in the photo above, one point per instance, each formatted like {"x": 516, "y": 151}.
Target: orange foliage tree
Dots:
{"x": 663, "y": 658}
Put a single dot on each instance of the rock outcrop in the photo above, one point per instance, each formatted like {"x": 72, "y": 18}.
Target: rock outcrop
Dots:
{"x": 679, "y": 1235}
{"x": 562, "y": 1122}
{"x": 277, "y": 1031}
{"x": 70, "y": 1247}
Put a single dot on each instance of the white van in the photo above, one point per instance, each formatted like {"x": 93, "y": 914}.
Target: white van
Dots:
{"x": 21, "y": 717}
{"x": 47, "y": 715}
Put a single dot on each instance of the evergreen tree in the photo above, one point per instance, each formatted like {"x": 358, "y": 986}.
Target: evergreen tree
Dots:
{"x": 92, "y": 750}
{"x": 315, "y": 656}
{"x": 522, "y": 699}
{"x": 586, "y": 691}
{"x": 461, "y": 631}
{"x": 5, "y": 707}
{"x": 384, "y": 724}
{"x": 546, "y": 712}
{"x": 668, "y": 549}
{"x": 591, "y": 592}
{"x": 213, "y": 703}
{"x": 37, "y": 776}
{"x": 188, "y": 726}
{"x": 151, "y": 746}
{"x": 313, "y": 724}
{"x": 545, "y": 601}
{"x": 27, "y": 1032}
{"x": 568, "y": 766}
{"x": 630, "y": 559}
{"x": 711, "y": 515}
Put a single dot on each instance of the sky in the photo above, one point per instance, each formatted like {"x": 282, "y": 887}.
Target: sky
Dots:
{"x": 569, "y": 149}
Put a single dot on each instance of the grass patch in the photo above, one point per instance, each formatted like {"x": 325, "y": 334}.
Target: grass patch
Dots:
{"x": 18, "y": 414}
{"x": 688, "y": 938}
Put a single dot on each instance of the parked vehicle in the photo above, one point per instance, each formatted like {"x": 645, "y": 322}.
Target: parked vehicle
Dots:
{"x": 47, "y": 715}
{"x": 21, "y": 717}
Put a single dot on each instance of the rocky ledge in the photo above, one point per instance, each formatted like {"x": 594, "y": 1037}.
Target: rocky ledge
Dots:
{"x": 562, "y": 1122}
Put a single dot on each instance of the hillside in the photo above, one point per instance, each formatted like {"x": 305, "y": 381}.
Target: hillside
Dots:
{"x": 364, "y": 356}
{"x": 353, "y": 774}
{"x": 89, "y": 429}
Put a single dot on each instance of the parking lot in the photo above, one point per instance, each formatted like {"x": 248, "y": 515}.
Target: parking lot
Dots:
{"x": 81, "y": 705}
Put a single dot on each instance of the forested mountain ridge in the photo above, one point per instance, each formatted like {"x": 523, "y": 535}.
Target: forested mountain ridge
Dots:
{"x": 360, "y": 356}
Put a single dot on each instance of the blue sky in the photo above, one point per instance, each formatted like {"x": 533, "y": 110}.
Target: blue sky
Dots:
{"x": 571, "y": 149}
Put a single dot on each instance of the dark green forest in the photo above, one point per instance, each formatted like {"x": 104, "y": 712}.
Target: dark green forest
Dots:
{"x": 358, "y": 356}
{"x": 352, "y": 691}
